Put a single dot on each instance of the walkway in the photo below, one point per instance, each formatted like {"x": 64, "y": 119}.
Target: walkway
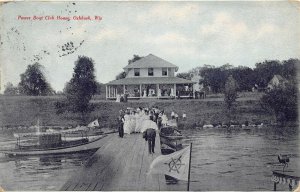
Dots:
{"x": 120, "y": 164}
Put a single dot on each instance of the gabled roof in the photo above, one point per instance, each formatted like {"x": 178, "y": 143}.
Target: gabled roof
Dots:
{"x": 151, "y": 61}
{"x": 150, "y": 80}
{"x": 279, "y": 77}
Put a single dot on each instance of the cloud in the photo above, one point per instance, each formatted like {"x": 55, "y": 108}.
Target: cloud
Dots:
{"x": 169, "y": 38}
{"x": 266, "y": 30}
{"x": 224, "y": 24}
{"x": 171, "y": 43}
{"x": 111, "y": 34}
{"x": 170, "y": 12}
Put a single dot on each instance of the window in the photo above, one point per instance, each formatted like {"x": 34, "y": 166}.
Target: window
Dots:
{"x": 150, "y": 71}
{"x": 136, "y": 72}
{"x": 164, "y": 71}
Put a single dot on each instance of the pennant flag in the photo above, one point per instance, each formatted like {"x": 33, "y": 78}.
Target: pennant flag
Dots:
{"x": 94, "y": 123}
{"x": 175, "y": 164}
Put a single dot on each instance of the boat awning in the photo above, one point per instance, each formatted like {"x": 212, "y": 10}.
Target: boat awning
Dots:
{"x": 51, "y": 132}
{"x": 150, "y": 80}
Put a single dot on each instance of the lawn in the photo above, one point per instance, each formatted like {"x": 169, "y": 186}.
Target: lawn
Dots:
{"x": 25, "y": 110}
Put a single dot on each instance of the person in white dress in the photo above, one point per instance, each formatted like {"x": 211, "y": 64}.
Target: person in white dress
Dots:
{"x": 118, "y": 98}
{"x": 132, "y": 122}
{"x": 164, "y": 120}
{"x": 127, "y": 123}
{"x": 138, "y": 121}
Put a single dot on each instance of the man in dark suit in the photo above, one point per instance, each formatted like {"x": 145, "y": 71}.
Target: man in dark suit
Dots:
{"x": 121, "y": 124}
{"x": 150, "y": 135}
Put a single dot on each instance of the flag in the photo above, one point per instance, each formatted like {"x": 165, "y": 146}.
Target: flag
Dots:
{"x": 175, "y": 164}
{"x": 94, "y": 123}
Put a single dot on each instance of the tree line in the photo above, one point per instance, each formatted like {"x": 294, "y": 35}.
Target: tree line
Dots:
{"x": 280, "y": 101}
{"x": 247, "y": 78}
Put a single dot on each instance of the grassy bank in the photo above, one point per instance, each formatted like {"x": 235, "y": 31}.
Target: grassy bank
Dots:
{"x": 25, "y": 110}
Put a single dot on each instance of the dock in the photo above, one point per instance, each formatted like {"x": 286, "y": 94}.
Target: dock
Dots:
{"x": 121, "y": 164}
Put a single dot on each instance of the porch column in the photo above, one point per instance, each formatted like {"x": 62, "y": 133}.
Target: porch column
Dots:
{"x": 175, "y": 90}
{"x": 157, "y": 88}
{"x": 106, "y": 92}
{"x": 194, "y": 96}
{"x": 140, "y": 90}
{"x": 124, "y": 89}
{"x": 109, "y": 91}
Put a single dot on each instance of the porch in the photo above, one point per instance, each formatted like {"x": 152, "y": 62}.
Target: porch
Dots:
{"x": 156, "y": 88}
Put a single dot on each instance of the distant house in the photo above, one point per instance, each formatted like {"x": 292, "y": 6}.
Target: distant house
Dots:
{"x": 276, "y": 81}
{"x": 150, "y": 77}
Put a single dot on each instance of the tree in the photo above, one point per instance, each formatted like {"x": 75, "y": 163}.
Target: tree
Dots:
{"x": 99, "y": 88}
{"x": 245, "y": 78}
{"x": 10, "y": 89}
{"x": 135, "y": 58}
{"x": 123, "y": 74}
{"x": 33, "y": 81}
{"x": 214, "y": 77}
{"x": 266, "y": 70}
{"x": 231, "y": 87}
{"x": 282, "y": 102}
{"x": 80, "y": 89}
{"x": 186, "y": 75}
{"x": 290, "y": 69}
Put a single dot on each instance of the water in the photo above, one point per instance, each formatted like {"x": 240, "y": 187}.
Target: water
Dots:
{"x": 221, "y": 160}
{"x": 238, "y": 160}
{"x": 36, "y": 173}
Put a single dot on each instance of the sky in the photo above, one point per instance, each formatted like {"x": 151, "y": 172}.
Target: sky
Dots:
{"x": 187, "y": 34}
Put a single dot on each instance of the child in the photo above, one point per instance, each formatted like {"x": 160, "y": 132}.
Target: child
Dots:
{"x": 172, "y": 115}
{"x": 184, "y": 116}
{"x": 176, "y": 117}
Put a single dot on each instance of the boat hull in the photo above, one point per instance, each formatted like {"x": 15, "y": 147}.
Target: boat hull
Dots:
{"x": 88, "y": 147}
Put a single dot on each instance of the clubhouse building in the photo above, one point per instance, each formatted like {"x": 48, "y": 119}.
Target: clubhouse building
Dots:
{"x": 150, "y": 77}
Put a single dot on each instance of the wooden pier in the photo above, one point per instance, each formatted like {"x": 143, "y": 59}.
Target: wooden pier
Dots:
{"x": 121, "y": 164}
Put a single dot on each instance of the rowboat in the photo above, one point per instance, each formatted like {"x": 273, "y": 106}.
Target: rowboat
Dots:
{"x": 171, "y": 141}
{"x": 171, "y": 137}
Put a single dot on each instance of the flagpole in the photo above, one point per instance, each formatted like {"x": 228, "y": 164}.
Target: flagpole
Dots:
{"x": 188, "y": 185}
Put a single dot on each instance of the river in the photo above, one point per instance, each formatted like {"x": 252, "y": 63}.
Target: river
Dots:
{"x": 221, "y": 160}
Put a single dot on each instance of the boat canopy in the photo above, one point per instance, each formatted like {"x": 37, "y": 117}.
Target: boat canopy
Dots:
{"x": 51, "y": 132}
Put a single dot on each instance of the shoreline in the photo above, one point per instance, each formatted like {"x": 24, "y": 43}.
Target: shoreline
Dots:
{"x": 23, "y": 111}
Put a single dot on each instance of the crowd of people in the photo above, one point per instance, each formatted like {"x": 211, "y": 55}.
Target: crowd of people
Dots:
{"x": 146, "y": 121}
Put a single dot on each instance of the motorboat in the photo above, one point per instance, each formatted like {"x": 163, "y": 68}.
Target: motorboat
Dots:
{"x": 51, "y": 143}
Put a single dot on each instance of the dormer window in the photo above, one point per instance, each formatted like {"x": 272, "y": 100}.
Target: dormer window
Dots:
{"x": 164, "y": 71}
{"x": 150, "y": 72}
{"x": 136, "y": 72}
